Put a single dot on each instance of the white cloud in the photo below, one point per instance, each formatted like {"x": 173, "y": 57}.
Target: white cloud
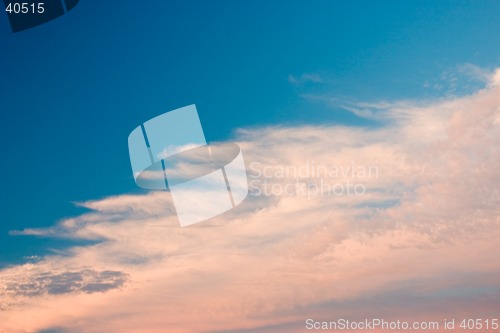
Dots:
{"x": 305, "y": 78}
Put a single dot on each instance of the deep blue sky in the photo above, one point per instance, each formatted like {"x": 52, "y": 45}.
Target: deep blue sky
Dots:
{"x": 72, "y": 90}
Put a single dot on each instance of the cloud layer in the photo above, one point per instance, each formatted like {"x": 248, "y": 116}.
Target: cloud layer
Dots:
{"x": 419, "y": 243}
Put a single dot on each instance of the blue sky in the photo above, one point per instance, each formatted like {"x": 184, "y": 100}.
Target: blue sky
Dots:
{"x": 74, "y": 88}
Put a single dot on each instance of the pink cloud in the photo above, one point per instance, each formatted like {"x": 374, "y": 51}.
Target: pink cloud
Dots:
{"x": 422, "y": 236}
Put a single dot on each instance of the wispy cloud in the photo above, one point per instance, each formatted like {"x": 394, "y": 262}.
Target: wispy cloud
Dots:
{"x": 32, "y": 283}
{"x": 305, "y": 78}
{"x": 477, "y": 73}
{"x": 464, "y": 79}
{"x": 275, "y": 261}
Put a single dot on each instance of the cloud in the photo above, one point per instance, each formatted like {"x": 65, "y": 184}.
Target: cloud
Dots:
{"x": 495, "y": 81}
{"x": 305, "y": 78}
{"x": 35, "y": 283}
{"x": 461, "y": 80}
{"x": 420, "y": 242}
{"x": 476, "y": 73}
{"x": 53, "y": 330}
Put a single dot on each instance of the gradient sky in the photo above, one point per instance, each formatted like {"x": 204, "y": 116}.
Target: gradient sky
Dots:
{"x": 384, "y": 74}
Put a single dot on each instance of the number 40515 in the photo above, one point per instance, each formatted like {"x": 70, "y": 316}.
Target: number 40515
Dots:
{"x": 25, "y": 8}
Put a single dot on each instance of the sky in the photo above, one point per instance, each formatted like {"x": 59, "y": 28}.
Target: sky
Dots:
{"x": 409, "y": 88}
